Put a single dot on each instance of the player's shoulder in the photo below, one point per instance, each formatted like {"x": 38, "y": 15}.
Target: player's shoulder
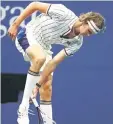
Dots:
{"x": 62, "y": 7}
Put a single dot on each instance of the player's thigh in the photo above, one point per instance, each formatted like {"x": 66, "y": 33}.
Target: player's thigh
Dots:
{"x": 25, "y": 42}
{"x": 35, "y": 51}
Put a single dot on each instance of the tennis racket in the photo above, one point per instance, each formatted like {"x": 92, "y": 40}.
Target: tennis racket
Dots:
{"x": 41, "y": 114}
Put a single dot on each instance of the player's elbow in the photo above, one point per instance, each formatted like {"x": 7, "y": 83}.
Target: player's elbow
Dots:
{"x": 40, "y": 6}
{"x": 32, "y": 5}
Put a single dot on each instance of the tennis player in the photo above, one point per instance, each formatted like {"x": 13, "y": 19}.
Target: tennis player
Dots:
{"x": 55, "y": 25}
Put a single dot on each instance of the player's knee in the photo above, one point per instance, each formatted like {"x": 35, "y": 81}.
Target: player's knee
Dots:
{"x": 46, "y": 89}
{"x": 37, "y": 63}
{"x": 39, "y": 60}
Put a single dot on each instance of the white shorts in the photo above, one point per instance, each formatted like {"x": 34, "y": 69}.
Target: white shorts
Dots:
{"x": 23, "y": 46}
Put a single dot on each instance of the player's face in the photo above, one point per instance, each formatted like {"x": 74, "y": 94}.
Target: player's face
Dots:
{"x": 85, "y": 30}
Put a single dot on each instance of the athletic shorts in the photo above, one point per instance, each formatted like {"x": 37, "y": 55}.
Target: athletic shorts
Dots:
{"x": 22, "y": 43}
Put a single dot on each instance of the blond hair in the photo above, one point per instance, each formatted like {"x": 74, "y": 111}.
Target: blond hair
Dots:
{"x": 97, "y": 18}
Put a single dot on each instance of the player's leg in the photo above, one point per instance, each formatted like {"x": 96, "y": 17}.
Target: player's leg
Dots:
{"x": 46, "y": 98}
{"x": 37, "y": 57}
{"x": 46, "y": 91}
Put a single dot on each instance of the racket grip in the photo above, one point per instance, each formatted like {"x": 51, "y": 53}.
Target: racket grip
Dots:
{"x": 35, "y": 102}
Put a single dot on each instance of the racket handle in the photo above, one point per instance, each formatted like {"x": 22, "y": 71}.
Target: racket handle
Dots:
{"x": 35, "y": 102}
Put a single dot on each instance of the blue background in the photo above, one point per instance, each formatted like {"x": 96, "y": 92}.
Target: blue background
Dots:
{"x": 83, "y": 84}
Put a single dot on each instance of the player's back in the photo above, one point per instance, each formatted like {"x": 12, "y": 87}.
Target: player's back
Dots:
{"x": 49, "y": 27}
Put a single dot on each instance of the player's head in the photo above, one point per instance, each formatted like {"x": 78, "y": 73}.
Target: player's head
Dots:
{"x": 92, "y": 23}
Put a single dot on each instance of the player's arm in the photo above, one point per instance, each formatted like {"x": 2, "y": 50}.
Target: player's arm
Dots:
{"x": 67, "y": 51}
{"x": 51, "y": 66}
{"x": 31, "y": 8}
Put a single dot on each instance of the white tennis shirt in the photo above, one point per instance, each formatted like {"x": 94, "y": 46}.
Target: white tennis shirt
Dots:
{"x": 48, "y": 29}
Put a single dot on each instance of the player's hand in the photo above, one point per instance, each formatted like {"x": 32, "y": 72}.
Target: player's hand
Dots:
{"x": 12, "y": 31}
{"x": 34, "y": 94}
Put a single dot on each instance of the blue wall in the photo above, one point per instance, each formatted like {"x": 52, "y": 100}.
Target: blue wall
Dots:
{"x": 83, "y": 84}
